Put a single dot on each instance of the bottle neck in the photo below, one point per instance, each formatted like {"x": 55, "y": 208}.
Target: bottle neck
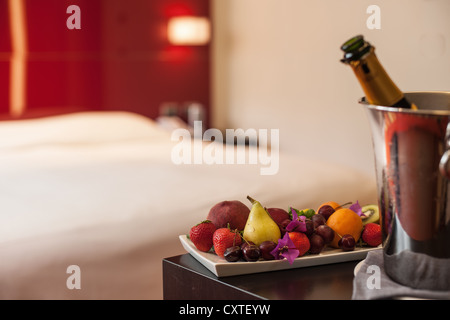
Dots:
{"x": 376, "y": 83}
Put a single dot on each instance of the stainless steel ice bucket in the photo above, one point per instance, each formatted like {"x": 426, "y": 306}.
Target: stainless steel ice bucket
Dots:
{"x": 412, "y": 156}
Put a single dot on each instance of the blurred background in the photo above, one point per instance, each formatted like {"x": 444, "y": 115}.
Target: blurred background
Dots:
{"x": 276, "y": 65}
{"x": 266, "y": 64}
{"x": 102, "y": 183}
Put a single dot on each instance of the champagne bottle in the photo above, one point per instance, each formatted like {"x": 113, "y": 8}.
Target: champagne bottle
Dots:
{"x": 375, "y": 82}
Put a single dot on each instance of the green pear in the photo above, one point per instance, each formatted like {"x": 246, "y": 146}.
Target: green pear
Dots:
{"x": 260, "y": 226}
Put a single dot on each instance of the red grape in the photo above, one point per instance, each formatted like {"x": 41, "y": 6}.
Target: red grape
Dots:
{"x": 245, "y": 244}
{"x": 251, "y": 253}
{"x": 326, "y": 211}
{"x": 325, "y": 232}
{"x": 316, "y": 243}
{"x": 265, "y": 248}
{"x": 318, "y": 220}
{"x": 309, "y": 228}
{"x": 347, "y": 242}
{"x": 283, "y": 226}
{"x": 233, "y": 254}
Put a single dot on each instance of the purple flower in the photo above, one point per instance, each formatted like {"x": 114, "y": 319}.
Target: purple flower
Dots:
{"x": 285, "y": 249}
{"x": 298, "y": 222}
{"x": 357, "y": 208}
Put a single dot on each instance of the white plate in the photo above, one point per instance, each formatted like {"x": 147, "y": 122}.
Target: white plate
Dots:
{"x": 221, "y": 268}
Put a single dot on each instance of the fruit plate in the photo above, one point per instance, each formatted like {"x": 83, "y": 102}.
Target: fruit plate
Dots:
{"x": 222, "y": 268}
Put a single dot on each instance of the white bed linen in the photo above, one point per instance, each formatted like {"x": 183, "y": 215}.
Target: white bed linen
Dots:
{"x": 99, "y": 190}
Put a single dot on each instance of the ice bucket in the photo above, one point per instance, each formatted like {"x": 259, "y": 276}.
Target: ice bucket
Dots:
{"x": 412, "y": 163}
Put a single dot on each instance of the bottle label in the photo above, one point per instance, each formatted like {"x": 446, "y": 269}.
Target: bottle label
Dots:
{"x": 378, "y": 87}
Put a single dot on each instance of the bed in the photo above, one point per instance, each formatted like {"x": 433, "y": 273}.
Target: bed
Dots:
{"x": 99, "y": 190}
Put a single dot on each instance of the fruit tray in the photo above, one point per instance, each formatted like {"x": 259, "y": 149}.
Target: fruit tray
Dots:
{"x": 222, "y": 268}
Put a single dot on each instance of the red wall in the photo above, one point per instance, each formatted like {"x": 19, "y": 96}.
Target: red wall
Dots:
{"x": 5, "y": 49}
{"x": 119, "y": 60}
{"x": 64, "y": 68}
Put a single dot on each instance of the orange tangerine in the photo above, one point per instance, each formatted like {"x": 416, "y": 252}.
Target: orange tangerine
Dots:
{"x": 345, "y": 221}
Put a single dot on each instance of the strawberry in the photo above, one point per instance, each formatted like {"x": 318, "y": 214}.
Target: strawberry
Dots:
{"x": 224, "y": 238}
{"x": 301, "y": 242}
{"x": 372, "y": 234}
{"x": 201, "y": 235}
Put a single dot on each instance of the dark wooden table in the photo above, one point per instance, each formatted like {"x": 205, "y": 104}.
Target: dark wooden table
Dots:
{"x": 184, "y": 278}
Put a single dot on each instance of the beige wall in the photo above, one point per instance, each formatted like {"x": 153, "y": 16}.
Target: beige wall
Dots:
{"x": 276, "y": 66}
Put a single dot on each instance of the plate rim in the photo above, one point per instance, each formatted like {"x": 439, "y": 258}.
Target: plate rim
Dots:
{"x": 221, "y": 268}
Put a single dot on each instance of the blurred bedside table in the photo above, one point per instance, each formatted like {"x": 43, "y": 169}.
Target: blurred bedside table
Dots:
{"x": 184, "y": 278}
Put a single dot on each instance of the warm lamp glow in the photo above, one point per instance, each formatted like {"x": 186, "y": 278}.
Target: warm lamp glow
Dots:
{"x": 189, "y": 30}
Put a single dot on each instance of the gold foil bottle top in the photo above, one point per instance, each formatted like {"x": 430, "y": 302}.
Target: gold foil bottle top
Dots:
{"x": 375, "y": 82}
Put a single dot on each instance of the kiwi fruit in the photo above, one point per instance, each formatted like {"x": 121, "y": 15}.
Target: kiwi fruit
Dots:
{"x": 371, "y": 213}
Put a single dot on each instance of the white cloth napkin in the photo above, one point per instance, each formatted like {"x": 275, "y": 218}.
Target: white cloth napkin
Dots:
{"x": 371, "y": 282}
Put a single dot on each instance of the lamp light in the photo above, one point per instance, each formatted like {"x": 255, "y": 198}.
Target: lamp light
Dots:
{"x": 189, "y": 30}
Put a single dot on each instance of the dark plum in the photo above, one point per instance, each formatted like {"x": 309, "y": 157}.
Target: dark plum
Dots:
{"x": 265, "y": 248}
{"x": 325, "y": 232}
{"x": 233, "y": 254}
{"x": 316, "y": 243}
{"x": 278, "y": 215}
